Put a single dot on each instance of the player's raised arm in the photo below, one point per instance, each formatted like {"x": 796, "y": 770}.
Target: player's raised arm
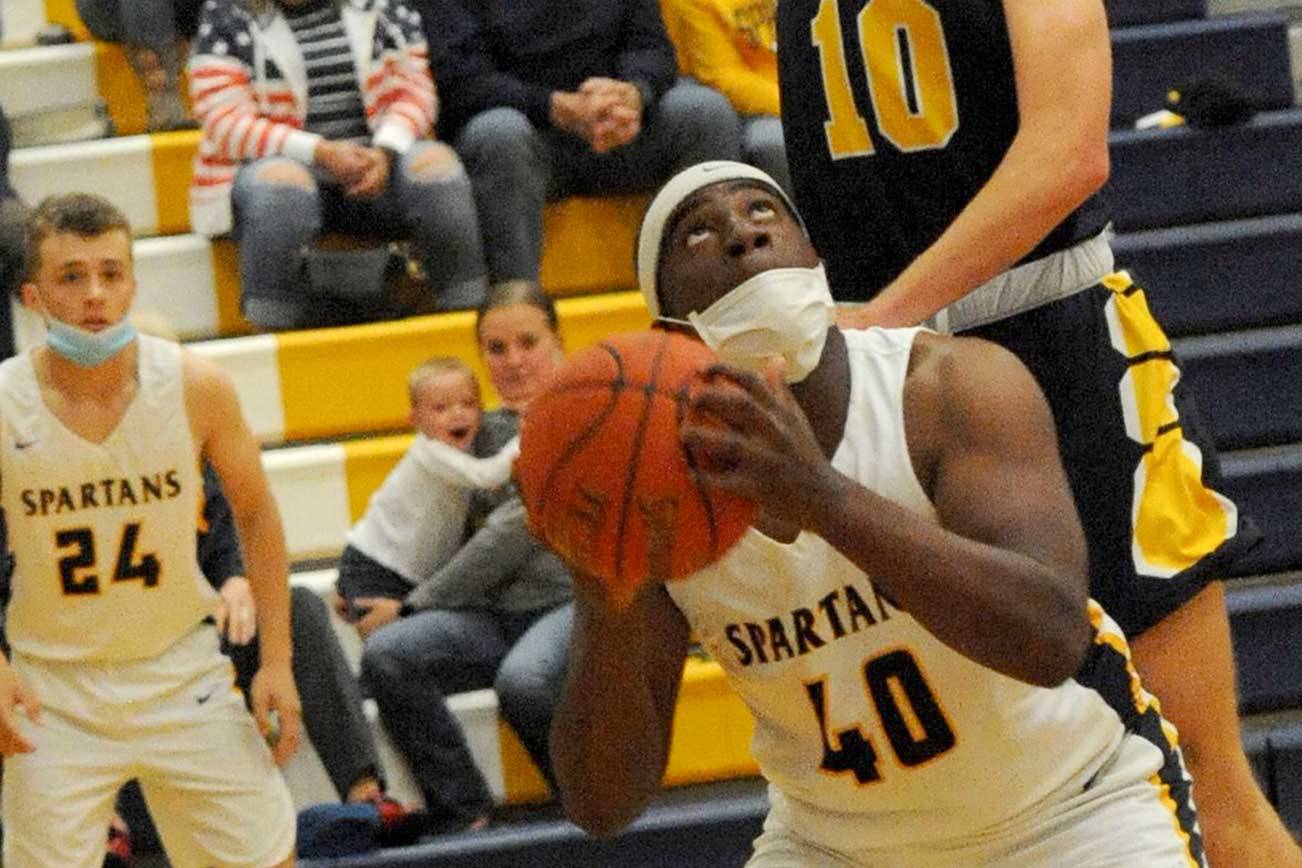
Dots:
{"x": 1001, "y": 578}
{"x": 610, "y": 737}
{"x": 1057, "y": 160}
{"x": 228, "y": 444}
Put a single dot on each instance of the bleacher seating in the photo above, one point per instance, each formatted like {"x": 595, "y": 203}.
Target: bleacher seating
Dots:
{"x": 1244, "y": 50}
{"x": 1267, "y": 483}
{"x": 1210, "y": 220}
{"x": 1219, "y": 277}
{"x": 1247, "y": 382}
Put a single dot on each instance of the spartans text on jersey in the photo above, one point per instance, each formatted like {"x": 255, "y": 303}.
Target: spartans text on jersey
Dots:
{"x": 836, "y": 615}
{"x": 146, "y": 488}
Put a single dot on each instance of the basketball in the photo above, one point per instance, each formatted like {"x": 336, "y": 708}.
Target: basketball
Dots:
{"x": 605, "y": 480}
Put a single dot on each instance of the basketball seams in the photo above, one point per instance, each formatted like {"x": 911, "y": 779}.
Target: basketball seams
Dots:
{"x": 647, "y": 390}
{"x": 702, "y": 491}
{"x": 579, "y": 385}
{"x": 614, "y": 389}
{"x": 605, "y": 473}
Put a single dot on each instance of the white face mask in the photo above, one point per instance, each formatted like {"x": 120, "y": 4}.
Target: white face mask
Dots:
{"x": 780, "y": 312}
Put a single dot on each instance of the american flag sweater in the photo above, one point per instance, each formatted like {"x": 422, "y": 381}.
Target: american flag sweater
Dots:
{"x": 248, "y": 84}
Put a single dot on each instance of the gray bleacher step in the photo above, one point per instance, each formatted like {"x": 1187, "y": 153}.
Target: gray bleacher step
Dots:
{"x": 1266, "y": 622}
{"x": 1122, "y": 13}
{"x": 1223, "y": 276}
{"x": 703, "y": 826}
{"x": 1247, "y": 385}
{"x": 1267, "y": 484}
{"x": 1164, "y": 178}
{"x": 1250, "y": 52}
{"x": 1274, "y": 745}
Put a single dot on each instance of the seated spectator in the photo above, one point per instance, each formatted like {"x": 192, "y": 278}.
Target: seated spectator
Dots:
{"x": 314, "y": 117}
{"x": 416, "y": 519}
{"x": 13, "y": 243}
{"x": 498, "y": 614}
{"x": 732, "y": 45}
{"x": 545, "y": 101}
{"x": 153, "y": 33}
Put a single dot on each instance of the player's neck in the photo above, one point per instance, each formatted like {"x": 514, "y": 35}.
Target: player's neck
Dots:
{"x": 101, "y": 381}
{"x": 825, "y": 394}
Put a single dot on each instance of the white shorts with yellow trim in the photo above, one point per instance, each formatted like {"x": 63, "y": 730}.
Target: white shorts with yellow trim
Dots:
{"x": 1122, "y": 819}
{"x": 177, "y": 723}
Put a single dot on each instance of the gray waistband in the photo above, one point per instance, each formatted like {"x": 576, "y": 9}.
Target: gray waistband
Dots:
{"x": 1031, "y": 285}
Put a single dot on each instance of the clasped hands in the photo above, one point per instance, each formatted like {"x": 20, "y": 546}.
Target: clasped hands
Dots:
{"x": 604, "y": 112}
{"x": 362, "y": 170}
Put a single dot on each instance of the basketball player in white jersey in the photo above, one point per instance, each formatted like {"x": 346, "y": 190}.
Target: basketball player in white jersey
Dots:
{"x": 115, "y": 672}
{"x": 908, "y": 618}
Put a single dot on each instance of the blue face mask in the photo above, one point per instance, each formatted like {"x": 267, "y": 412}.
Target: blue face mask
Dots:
{"x": 85, "y": 348}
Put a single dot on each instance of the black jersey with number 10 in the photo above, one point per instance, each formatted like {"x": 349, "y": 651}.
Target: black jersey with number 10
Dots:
{"x": 896, "y": 112}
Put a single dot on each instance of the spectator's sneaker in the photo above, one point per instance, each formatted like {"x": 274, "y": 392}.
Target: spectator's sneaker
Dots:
{"x": 399, "y": 824}
{"x": 117, "y": 853}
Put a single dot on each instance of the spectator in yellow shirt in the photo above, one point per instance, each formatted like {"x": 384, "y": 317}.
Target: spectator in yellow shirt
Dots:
{"x": 731, "y": 45}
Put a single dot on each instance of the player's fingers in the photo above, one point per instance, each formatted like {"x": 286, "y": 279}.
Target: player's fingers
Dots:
{"x": 718, "y": 452}
{"x": 31, "y": 704}
{"x": 731, "y": 407}
{"x": 752, "y": 383}
{"x": 242, "y": 625}
{"x": 12, "y": 740}
{"x": 222, "y": 616}
{"x": 261, "y": 711}
{"x": 291, "y": 726}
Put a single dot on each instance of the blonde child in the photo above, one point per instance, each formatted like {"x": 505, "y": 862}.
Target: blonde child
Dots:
{"x": 416, "y": 520}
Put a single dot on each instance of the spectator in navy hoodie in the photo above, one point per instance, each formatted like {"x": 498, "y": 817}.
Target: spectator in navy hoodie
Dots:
{"x": 544, "y": 100}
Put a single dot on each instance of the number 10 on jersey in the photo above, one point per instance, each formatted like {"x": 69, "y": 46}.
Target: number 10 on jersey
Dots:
{"x": 905, "y": 62}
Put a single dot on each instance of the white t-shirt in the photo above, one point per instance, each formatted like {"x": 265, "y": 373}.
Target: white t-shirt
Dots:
{"x": 416, "y": 520}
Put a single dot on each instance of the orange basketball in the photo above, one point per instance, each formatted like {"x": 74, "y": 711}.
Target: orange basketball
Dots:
{"x": 605, "y": 480}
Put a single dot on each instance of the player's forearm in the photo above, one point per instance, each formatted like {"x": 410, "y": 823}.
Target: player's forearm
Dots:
{"x": 1033, "y": 190}
{"x": 268, "y": 575}
{"x": 998, "y": 607}
{"x": 611, "y": 733}
{"x": 1247, "y": 834}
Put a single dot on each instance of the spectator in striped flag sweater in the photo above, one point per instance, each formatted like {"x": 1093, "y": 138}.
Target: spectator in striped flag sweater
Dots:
{"x": 316, "y": 116}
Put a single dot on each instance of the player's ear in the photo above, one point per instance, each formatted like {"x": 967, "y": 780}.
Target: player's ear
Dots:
{"x": 31, "y": 297}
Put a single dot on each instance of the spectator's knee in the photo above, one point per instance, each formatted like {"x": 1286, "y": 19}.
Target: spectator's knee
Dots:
{"x": 381, "y": 662}
{"x": 698, "y": 103}
{"x": 283, "y": 173}
{"x": 434, "y": 163}
{"x": 498, "y": 135}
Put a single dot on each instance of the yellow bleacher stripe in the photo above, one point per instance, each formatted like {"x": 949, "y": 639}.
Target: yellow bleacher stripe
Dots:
{"x": 65, "y": 12}
{"x": 335, "y": 381}
{"x": 367, "y": 463}
{"x": 712, "y": 729}
{"x": 226, "y": 279}
{"x": 120, "y": 89}
{"x": 172, "y": 164}
{"x": 348, "y": 380}
{"x": 521, "y": 779}
{"x": 589, "y": 244}
{"x": 711, "y": 738}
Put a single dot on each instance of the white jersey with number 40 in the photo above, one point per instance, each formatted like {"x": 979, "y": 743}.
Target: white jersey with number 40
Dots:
{"x": 873, "y": 732}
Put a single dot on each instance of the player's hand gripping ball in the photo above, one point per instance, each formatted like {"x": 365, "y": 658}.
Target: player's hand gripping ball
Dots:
{"x": 605, "y": 480}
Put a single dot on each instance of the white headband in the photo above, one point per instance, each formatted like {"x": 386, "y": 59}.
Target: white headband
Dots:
{"x": 673, "y": 194}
